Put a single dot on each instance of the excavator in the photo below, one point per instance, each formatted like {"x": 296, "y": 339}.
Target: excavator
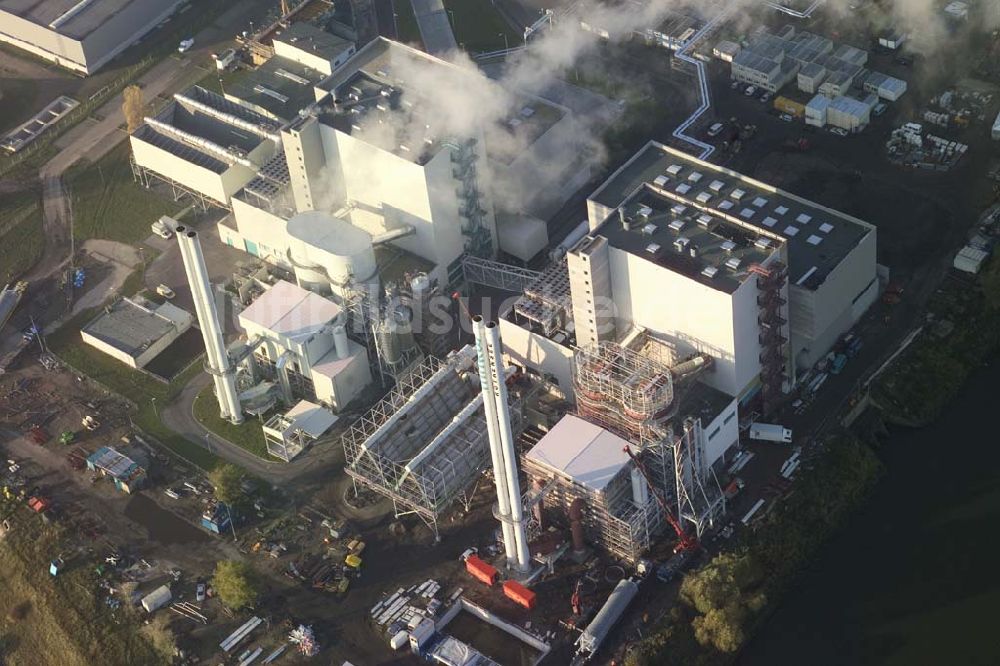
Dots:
{"x": 685, "y": 542}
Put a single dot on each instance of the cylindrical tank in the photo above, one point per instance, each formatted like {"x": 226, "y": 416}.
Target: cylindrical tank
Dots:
{"x": 325, "y": 248}
{"x": 340, "y": 341}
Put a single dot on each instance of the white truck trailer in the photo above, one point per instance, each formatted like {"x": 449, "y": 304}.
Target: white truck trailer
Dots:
{"x": 770, "y": 432}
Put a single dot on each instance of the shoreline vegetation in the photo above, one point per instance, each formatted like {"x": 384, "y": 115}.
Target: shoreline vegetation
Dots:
{"x": 723, "y": 603}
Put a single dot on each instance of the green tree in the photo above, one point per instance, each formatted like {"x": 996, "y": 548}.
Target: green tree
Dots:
{"x": 723, "y": 593}
{"x": 227, "y": 481}
{"x": 235, "y": 584}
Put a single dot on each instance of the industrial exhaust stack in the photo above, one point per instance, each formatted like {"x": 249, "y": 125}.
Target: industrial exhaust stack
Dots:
{"x": 217, "y": 361}
{"x": 498, "y": 424}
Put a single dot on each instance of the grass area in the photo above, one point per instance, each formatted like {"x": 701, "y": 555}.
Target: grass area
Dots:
{"x": 18, "y": 99}
{"x": 478, "y": 26}
{"x": 248, "y": 435}
{"x": 149, "y": 394}
{"x": 108, "y": 203}
{"x": 21, "y": 238}
{"x": 406, "y": 24}
{"x": 58, "y": 620}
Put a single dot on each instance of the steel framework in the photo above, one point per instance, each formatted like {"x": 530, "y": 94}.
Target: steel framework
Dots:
{"x": 146, "y": 177}
{"x": 617, "y": 384}
{"x": 424, "y": 445}
{"x": 476, "y": 270}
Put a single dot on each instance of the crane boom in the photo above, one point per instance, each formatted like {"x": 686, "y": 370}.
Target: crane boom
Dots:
{"x": 685, "y": 541}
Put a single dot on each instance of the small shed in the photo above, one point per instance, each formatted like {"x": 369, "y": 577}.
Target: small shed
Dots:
{"x": 127, "y": 474}
{"x": 157, "y": 599}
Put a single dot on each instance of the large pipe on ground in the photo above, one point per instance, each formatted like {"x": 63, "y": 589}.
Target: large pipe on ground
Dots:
{"x": 497, "y": 377}
{"x": 492, "y": 430}
{"x": 217, "y": 359}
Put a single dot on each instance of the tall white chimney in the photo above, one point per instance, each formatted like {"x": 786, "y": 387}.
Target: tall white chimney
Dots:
{"x": 493, "y": 431}
{"x": 217, "y": 359}
{"x": 497, "y": 377}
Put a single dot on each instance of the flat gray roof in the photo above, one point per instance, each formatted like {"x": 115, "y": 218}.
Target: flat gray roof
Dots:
{"x": 701, "y": 400}
{"x": 88, "y": 16}
{"x": 666, "y": 232}
{"x": 129, "y": 327}
{"x": 308, "y": 37}
{"x": 818, "y": 237}
{"x": 280, "y": 87}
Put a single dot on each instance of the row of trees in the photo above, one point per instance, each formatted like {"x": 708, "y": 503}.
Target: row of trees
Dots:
{"x": 721, "y": 601}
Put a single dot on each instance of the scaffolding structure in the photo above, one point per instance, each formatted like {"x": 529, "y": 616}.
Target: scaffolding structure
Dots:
{"x": 425, "y": 444}
{"x": 546, "y": 304}
{"x": 620, "y": 387}
{"x": 699, "y": 495}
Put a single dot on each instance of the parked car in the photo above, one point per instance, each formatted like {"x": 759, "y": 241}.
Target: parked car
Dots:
{"x": 199, "y": 594}
{"x": 735, "y": 85}
{"x": 165, "y": 291}
{"x": 751, "y": 91}
{"x": 162, "y": 230}
{"x": 879, "y": 108}
{"x": 185, "y": 45}
{"x": 786, "y": 117}
{"x": 839, "y": 131}
{"x": 766, "y": 97}
{"x": 715, "y": 129}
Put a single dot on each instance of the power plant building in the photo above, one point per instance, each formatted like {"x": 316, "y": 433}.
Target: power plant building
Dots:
{"x": 298, "y": 339}
{"x": 80, "y": 35}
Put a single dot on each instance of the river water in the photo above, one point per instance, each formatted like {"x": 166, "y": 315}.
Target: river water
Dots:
{"x": 913, "y": 579}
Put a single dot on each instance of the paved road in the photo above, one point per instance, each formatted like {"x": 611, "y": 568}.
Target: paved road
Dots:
{"x": 435, "y": 28}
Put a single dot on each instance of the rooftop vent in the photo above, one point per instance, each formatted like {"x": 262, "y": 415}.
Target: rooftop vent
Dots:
{"x": 528, "y": 111}
{"x": 653, "y": 248}
{"x": 826, "y": 227}
{"x": 728, "y": 246}
{"x": 725, "y": 205}
{"x": 649, "y": 229}
{"x": 681, "y": 243}
{"x": 716, "y": 186}
{"x": 733, "y": 263}
{"x": 678, "y": 209}
{"x": 760, "y": 202}
{"x": 781, "y": 210}
{"x": 676, "y": 225}
{"x": 814, "y": 240}
{"x": 291, "y": 77}
{"x": 270, "y": 93}
{"x": 694, "y": 177}
{"x": 704, "y": 220}
{"x": 683, "y": 188}
{"x": 762, "y": 243}
{"x": 645, "y": 211}
{"x": 674, "y": 169}
{"x": 660, "y": 181}
{"x": 709, "y": 271}
{"x": 747, "y": 213}
{"x": 790, "y": 231}
{"x": 770, "y": 221}
{"x": 737, "y": 194}
{"x": 803, "y": 218}
{"x": 703, "y": 197}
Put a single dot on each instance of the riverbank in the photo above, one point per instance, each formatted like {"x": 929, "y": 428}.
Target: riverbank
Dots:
{"x": 912, "y": 581}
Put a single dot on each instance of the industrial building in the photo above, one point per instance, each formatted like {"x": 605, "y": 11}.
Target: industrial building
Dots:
{"x": 298, "y": 339}
{"x": 203, "y": 144}
{"x": 135, "y": 333}
{"x": 289, "y": 434}
{"x": 830, "y": 258}
{"x": 81, "y": 35}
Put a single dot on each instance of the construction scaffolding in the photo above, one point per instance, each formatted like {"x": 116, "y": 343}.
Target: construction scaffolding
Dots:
{"x": 620, "y": 388}
{"x": 425, "y": 444}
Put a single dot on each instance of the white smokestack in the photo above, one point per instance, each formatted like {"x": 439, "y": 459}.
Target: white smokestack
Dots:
{"x": 217, "y": 363}
{"x": 497, "y": 377}
{"x": 492, "y": 430}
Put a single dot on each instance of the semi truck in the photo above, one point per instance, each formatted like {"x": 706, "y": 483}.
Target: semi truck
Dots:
{"x": 770, "y": 432}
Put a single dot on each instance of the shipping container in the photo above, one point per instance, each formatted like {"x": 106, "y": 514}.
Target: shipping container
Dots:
{"x": 519, "y": 593}
{"x": 481, "y": 570}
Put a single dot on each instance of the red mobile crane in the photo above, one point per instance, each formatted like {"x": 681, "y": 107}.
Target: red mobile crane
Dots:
{"x": 684, "y": 540}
